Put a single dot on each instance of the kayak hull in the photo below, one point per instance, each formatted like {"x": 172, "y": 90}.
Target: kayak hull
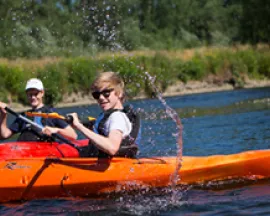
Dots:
{"x": 35, "y": 178}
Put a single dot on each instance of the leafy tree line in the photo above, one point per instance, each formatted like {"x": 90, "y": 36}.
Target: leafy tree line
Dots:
{"x": 36, "y": 28}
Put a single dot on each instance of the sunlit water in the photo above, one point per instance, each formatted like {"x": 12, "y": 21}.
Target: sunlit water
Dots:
{"x": 214, "y": 123}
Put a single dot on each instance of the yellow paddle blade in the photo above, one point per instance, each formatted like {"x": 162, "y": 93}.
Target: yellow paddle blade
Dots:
{"x": 45, "y": 115}
{"x": 91, "y": 118}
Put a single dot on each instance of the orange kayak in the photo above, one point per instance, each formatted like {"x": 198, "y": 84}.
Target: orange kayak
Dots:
{"x": 35, "y": 178}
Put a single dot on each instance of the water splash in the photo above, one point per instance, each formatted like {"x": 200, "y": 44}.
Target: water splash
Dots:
{"x": 172, "y": 113}
{"x": 153, "y": 202}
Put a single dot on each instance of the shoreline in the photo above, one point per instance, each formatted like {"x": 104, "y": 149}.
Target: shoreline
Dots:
{"x": 179, "y": 88}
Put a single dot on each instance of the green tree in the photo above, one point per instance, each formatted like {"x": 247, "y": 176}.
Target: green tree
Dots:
{"x": 255, "y": 18}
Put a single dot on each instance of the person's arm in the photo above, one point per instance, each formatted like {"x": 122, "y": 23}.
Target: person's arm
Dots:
{"x": 5, "y": 132}
{"x": 110, "y": 144}
{"x": 62, "y": 128}
{"x": 67, "y": 132}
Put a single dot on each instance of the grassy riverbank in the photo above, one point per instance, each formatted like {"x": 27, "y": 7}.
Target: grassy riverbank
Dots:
{"x": 67, "y": 80}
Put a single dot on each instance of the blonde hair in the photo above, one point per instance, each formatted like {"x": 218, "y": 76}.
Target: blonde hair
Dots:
{"x": 112, "y": 80}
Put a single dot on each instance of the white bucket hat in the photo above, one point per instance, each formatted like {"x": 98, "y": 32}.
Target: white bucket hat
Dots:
{"x": 34, "y": 83}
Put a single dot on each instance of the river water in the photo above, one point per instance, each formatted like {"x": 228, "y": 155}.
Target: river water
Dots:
{"x": 214, "y": 123}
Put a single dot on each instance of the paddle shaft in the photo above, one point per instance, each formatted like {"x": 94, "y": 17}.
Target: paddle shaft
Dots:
{"x": 24, "y": 118}
{"x": 57, "y": 136}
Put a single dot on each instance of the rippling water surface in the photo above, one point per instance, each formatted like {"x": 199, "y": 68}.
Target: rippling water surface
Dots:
{"x": 214, "y": 123}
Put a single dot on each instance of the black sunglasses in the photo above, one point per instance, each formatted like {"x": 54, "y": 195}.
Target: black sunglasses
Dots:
{"x": 106, "y": 93}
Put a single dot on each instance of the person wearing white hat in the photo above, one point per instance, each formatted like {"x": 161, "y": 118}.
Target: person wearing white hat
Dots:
{"x": 35, "y": 92}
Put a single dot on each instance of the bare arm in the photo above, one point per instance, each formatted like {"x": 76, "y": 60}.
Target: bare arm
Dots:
{"x": 67, "y": 132}
{"x": 5, "y": 132}
{"x": 110, "y": 144}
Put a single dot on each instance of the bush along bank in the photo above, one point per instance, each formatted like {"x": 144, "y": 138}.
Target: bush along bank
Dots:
{"x": 75, "y": 75}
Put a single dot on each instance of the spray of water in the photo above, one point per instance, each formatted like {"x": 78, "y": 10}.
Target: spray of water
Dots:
{"x": 172, "y": 113}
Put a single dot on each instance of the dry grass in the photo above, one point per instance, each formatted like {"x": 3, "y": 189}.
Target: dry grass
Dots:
{"x": 29, "y": 64}
{"x": 185, "y": 54}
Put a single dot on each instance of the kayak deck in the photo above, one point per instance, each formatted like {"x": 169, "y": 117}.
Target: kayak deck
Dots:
{"x": 33, "y": 178}
{"x": 28, "y": 149}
